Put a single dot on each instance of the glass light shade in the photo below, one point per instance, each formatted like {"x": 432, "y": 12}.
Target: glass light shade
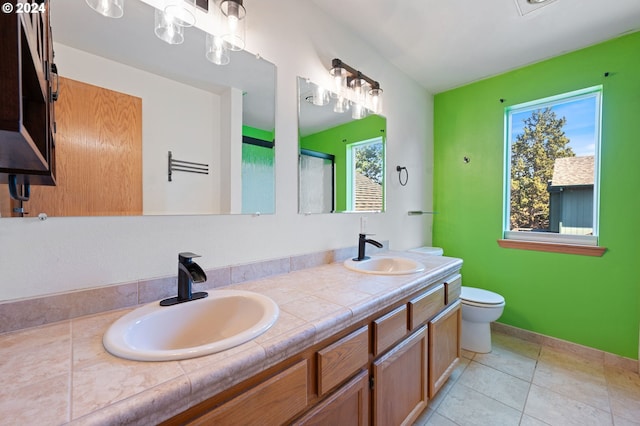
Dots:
{"x": 358, "y": 111}
{"x": 320, "y": 97}
{"x": 108, "y": 8}
{"x": 234, "y": 33}
{"x": 341, "y": 105}
{"x": 358, "y": 90}
{"x": 217, "y": 50}
{"x": 183, "y": 12}
{"x": 339, "y": 75}
{"x": 167, "y": 29}
{"x": 374, "y": 100}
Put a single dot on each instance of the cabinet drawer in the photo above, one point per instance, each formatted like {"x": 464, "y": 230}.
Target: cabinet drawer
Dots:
{"x": 453, "y": 287}
{"x": 389, "y": 328}
{"x": 426, "y": 306}
{"x": 341, "y": 360}
{"x": 275, "y": 401}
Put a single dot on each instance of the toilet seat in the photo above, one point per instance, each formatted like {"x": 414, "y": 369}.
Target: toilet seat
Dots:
{"x": 479, "y": 297}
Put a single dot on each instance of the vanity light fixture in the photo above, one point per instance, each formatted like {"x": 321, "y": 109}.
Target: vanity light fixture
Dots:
{"x": 234, "y": 33}
{"x": 364, "y": 92}
{"x": 108, "y": 8}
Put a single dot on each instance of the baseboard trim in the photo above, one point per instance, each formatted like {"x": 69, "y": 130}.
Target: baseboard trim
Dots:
{"x": 608, "y": 359}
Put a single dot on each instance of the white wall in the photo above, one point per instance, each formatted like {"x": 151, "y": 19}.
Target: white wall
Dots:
{"x": 62, "y": 254}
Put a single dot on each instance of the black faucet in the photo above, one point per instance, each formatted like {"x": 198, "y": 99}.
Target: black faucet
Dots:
{"x": 362, "y": 241}
{"x": 189, "y": 272}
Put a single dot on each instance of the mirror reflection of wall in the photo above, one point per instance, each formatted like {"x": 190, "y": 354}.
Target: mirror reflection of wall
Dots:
{"x": 199, "y": 111}
{"x": 342, "y": 159}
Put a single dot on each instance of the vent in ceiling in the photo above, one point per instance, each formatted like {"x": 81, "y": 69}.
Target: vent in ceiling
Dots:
{"x": 525, "y": 6}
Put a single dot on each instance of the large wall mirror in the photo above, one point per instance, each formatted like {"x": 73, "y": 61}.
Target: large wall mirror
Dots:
{"x": 341, "y": 165}
{"x": 129, "y": 102}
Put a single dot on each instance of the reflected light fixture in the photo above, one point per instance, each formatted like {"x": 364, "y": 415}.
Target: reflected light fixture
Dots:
{"x": 217, "y": 50}
{"x": 364, "y": 92}
{"x": 320, "y": 96}
{"x": 167, "y": 29}
{"x": 342, "y": 105}
{"x": 182, "y": 12}
{"x": 108, "y": 8}
{"x": 234, "y": 33}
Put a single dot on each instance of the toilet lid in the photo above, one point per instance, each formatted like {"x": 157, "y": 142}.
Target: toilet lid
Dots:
{"x": 433, "y": 251}
{"x": 478, "y": 295}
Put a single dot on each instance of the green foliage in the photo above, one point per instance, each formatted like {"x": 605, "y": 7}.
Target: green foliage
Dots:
{"x": 369, "y": 161}
{"x": 533, "y": 155}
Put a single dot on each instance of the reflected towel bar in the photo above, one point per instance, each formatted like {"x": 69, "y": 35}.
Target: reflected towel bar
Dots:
{"x": 186, "y": 166}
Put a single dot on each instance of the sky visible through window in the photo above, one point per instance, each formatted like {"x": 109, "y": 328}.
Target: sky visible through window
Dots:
{"x": 579, "y": 128}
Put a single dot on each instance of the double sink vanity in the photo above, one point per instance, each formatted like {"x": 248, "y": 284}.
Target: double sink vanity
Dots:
{"x": 365, "y": 342}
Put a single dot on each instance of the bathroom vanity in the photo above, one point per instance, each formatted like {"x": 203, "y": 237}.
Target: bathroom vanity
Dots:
{"x": 380, "y": 370}
{"x": 361, "y": 348}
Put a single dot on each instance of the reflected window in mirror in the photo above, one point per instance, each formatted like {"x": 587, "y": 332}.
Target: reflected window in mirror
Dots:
{"x": 353, "y": 180}
{"x": 365, "y": 177}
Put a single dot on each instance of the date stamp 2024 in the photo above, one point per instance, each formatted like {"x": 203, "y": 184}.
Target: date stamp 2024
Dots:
{"x": 18, "y": 7}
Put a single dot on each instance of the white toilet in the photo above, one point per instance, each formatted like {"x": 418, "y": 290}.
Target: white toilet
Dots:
{"x": 479, "y": 309}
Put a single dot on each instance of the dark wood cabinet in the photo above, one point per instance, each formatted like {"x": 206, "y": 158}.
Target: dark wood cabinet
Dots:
{"x": 27, "y": 94}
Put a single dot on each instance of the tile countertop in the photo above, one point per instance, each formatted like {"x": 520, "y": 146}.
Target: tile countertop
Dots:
{"x": 60, "y": 373}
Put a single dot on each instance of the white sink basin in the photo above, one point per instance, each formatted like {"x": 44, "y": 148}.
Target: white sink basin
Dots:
{"x": 385, "y": 265}
{"x": 225, "y": 319}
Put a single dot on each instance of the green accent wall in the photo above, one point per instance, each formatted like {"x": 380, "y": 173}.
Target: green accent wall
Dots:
{"x": 254, "y": 132}
{"x": 592, "y": 301}
{"x": 335, "y": 141}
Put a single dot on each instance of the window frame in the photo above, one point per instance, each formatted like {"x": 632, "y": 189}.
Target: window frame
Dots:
{"x": 545, "y": 241}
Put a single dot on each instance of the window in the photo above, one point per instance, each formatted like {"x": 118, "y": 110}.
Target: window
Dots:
{"x": 552, "y": 169}
{"x": 365, "y": 166}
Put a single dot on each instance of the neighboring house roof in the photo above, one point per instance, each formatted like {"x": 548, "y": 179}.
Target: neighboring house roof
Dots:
{"x": 573, "y": 171}
{"x": 368, "y": 194}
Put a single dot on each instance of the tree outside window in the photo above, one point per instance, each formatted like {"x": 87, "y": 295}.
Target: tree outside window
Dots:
{"x": 366, "y": 175}
{"x": 552, "y": 166}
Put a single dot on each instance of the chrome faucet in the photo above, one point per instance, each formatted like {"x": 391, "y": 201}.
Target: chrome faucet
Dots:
{"x": 189, "y": 272}
{"x": 362, "y": 241}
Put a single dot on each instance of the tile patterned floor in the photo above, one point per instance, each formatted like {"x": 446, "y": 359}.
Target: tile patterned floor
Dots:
{"x": 524, "y": 383}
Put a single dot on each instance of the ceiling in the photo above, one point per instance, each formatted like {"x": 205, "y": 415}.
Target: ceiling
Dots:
{"x": 444, "y": 44}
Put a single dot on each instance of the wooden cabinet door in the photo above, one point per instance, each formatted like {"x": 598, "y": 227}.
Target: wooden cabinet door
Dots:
{"x": 99, "y": 155}
{"x": 444, "y": 346}
{"x": 347, "y": 406}
{"x": 400, "y": 381}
